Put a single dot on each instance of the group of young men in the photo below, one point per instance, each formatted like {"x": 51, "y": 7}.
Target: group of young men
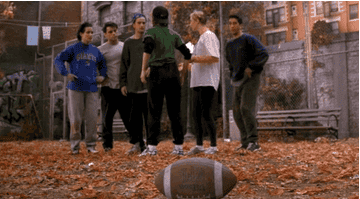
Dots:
{"x": 136, "y": 76}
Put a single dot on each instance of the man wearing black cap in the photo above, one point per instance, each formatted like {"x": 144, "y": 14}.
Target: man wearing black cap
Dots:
{"x": 163, "y": 78}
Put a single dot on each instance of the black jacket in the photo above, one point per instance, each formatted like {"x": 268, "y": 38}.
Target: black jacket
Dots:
{"x": 245, "y": 51}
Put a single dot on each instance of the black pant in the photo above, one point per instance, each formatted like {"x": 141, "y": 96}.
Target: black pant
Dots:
{"x": 164, "y": 81}
{"x": 139, "y": 109}
{"x": 203, "y": 118}
{"x": 111, "y": 101}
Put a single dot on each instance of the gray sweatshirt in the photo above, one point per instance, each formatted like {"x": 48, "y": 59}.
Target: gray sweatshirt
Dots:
{"x": 131, "y": 61}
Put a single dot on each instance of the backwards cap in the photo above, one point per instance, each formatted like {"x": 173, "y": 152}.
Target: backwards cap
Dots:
{"x": 161, "y": 14}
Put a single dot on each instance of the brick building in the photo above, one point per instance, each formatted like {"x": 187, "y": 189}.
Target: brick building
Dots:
{"x": 285, "y": 20}
{"x": 120, "y": 12}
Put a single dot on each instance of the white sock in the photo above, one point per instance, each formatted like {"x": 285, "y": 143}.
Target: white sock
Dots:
{"x": 199, "y": 147}
{"x": 152, "y": 147}
{"x": 179, "y": 147}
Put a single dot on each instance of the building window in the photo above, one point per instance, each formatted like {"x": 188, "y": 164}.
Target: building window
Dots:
{"x": 334, "y": 6}
{"x": 276, "y": 38}
{"x": 354, "y": 11}
{"x": 335, "y": 27}
{"x": 104, "y": 15}
{"x": 282, "y": 14}
{"x": 293, "y": 10}
{"x": 275, "y": 16}
{"x": 319, "y": 8}
{"x": 327, "y": 9}
{"x": 295, "y": 35}
{"x": 269, "y": 18}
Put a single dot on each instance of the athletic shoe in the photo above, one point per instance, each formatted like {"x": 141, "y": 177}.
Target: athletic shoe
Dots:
{"x": 177, "y": 151}
{"x": 75, "y": 152}
{"x": 241, "y": 147}
{"x": 210, "y": 150}
{"x": 92, "y": 150}
{"x": 195, "y": 150}
{"x": 134, "y": 149}
{"x": 148, "y": 152}
{"x": 253, "y": 146}
{"x": 107, "y": 149}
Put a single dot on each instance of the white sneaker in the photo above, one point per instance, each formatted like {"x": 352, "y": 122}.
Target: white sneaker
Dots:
{"x": 178, "y": 150}
{"x": 149, "y": 151}
{"x": 92, "y": 150}
{"x": 195, "y": 150}
{"x": 211, "y": 150}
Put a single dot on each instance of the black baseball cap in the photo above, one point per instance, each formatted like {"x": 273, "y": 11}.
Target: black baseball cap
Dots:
{"x": 161, "y": 14}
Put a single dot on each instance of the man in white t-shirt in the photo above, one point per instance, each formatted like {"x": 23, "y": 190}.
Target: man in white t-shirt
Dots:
{"x": 205, "y": 78}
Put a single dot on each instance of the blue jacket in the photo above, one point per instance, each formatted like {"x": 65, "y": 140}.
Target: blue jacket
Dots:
{"x": 243, "y": 52}
{"x": 84, "y": 61}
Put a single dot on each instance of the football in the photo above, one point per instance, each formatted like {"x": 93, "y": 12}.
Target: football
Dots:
{"x": 195, "y": 178}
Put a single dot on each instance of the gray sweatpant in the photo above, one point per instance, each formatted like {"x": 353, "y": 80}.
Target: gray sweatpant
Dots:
{"x": 244, "y": 102}
{"x": 78, "y": 101}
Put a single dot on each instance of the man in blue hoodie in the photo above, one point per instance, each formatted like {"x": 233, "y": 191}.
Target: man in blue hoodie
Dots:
{"x": 84, "y": 60}
{"x": 247, "y": 57}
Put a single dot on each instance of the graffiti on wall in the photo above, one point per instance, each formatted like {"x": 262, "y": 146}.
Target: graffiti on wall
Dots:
{"x": 13, "y": 108}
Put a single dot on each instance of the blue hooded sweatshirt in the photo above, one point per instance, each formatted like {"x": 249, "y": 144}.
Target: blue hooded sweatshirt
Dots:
{"x": 84, "y": 61}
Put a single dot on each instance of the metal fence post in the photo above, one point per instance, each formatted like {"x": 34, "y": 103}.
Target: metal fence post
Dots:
{"x": 51, "y": 121}
{"x": 223, "y": 83}
{"x": 64, "y": 101}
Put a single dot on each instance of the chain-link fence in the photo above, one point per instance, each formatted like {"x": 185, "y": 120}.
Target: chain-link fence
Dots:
{"x": 277, "y": 94}
{"x": 53, "y": 107}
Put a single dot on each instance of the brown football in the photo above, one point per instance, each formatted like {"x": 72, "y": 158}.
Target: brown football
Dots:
{"x": 195, "y": 178}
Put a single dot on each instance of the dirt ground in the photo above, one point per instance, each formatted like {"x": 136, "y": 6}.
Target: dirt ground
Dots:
{"x": 303, "y": 169}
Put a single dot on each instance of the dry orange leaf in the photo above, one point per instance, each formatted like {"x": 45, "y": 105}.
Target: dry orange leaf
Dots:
{"x": 276, "y": 192}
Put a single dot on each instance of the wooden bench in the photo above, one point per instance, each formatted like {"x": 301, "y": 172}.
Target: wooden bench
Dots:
{"x": 295, "y": 120}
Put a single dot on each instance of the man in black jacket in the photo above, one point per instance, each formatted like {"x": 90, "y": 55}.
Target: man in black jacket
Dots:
{"x": 246, "y": 56}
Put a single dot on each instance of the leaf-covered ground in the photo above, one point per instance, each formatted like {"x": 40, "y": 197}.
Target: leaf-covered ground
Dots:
{"x": 46, "y": 169}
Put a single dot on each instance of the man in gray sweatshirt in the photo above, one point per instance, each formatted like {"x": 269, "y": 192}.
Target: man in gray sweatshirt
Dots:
{"x": 131, "y": 85}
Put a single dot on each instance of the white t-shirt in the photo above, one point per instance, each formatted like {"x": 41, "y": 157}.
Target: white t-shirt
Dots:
{"x": 204, "y": 74}
{"x": 112, "y": 55}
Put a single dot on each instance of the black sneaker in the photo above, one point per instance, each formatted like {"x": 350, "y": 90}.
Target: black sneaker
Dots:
{"x": 241, "y": 147}
{"x": 75, "y": 152}
{"x": 253, "y": 146}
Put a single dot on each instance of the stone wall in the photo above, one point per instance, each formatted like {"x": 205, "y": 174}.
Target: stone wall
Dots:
{"x": 353, "y": 82}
